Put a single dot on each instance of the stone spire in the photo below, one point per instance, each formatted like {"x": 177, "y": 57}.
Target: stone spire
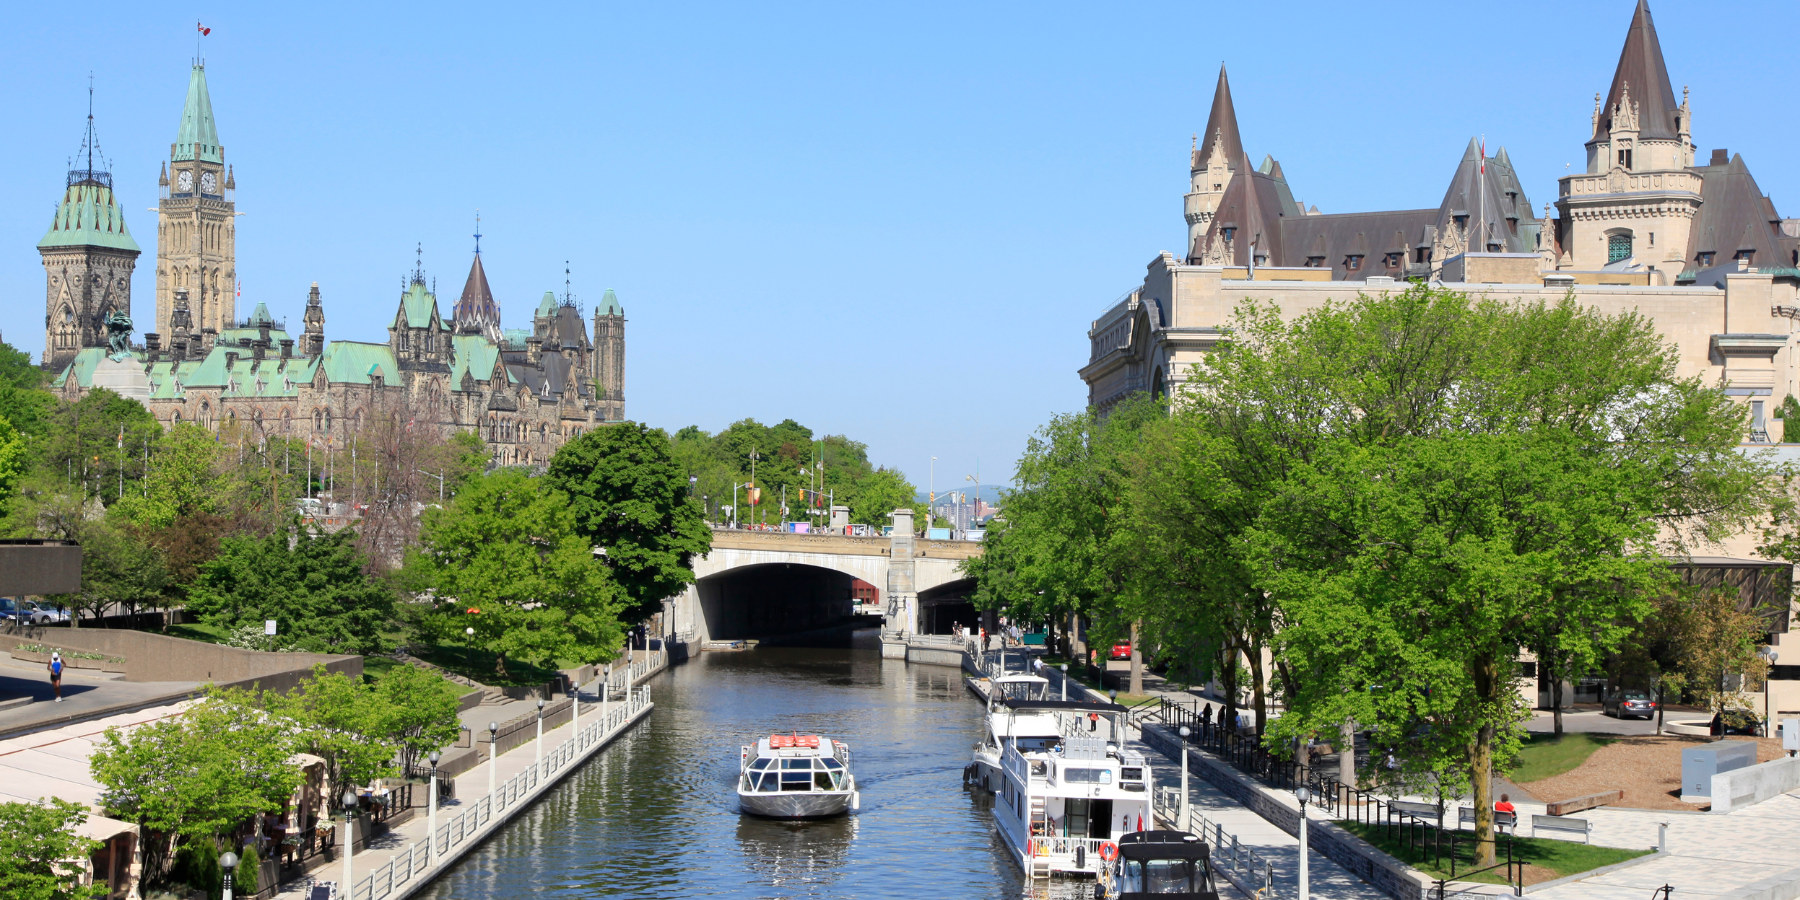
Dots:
{"x": 1641, "y": 66}
{"x": 1221, "y": 134}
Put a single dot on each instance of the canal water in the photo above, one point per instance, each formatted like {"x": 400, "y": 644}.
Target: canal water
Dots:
{"x": 654, "y": 815}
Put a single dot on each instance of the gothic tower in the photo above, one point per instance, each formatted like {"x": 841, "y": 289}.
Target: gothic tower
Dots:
{"x": 1637, "y": 201}
{"x": 196, "y": 233}
{"x": 88, "y": 257}
{"x": 609, "y": 357}
{"x": 475, "y": 311}
{"x": 1211, "y": 162}
{"x": 312, "y": 340}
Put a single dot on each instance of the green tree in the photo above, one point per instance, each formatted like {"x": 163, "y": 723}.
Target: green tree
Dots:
{"x": 417, "y": 713}
{"x": 310, "y": 582}
{"x": 184, "y": 480}
{"x": 194, "y": 777}
{"x": 334, "y": 717}
{"x": 630, "y": 499}
{"x": 99, "y": 443}
{"x": 879, "y": 493}
{"x": 117, "y": 569}
{"x": 1452, "y": 475}
{"x": 504, "y": 558}
{"x": 23, "y": 400}
{"x": 14, "y": 460}
{"x": 41, "y": 853}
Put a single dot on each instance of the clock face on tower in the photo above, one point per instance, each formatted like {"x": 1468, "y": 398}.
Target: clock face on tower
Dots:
{"x": 185, "y": 181}
{"x": 209, "y": 183}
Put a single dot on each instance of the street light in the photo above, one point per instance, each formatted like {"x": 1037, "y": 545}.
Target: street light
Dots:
{"x": 1769, "y": 655}
{"x": 469, "y": 648}
{"x": 228, "y": 863}
{"x": 1065, "y": 681}
{"x": 605, "y": 695}
{"x": 349, "y": 799}
{"x": 1303, "y": 794}
{"x": 431, "y": 811}
{"x": 493, "y": 751}
{"x": 540, "y": 736}
{"x": 1185, "y": 732}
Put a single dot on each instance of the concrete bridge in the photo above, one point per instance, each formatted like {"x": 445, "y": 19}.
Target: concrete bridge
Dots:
{"x": 763, "y": 583}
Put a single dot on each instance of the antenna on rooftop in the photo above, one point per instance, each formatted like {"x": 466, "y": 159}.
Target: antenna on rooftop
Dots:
{"x": 478, "y": 232}
{"x": 419, "y": 267}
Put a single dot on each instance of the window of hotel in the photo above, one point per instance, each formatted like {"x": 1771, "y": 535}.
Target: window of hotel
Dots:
{"x": 1704, "y": 259}
{"x": 1314, "y": 262}
{"x": 1747, "y": 256}
{"x": 1625, "y": 158}
{"x": 1618, "y": 246}
{"x": 1394, "y": 259}
{"x": 1422, "y": 255}
{"x": 1227, "y": 233}
{"x": 1353, "y": 262}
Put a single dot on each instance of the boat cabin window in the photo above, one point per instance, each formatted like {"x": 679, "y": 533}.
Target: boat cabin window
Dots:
{"x": 1160, "y": 876}
{"x": 759, "y": 763}
{"x": 1131, "y": 773}
{"x": 832, "y": 764}
{"x": 792, "y": 764}
{"x": 1088, "y": 776}
{"x": 823, "y": 781}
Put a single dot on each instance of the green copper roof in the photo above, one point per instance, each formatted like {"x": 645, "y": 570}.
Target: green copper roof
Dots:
{"x": 260, "y": 314}
{"x": 229, "y": 338}
{"x": 89, "y": 216}
{"x": 475, "y": 354}
{"x": 547, "y": 306}
{"x": 515, "y": 338}
{"x": 609, "y": 305}
{"x": 199, "y": 137}
{"x": 352, "y": 361}
{"x": 417, "y": 305}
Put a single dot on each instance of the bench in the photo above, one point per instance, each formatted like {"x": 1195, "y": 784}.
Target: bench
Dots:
{"x": 1425, "y": 811}
{"x": 1564, "y": 807}
{"x": 1563, "y": 824}
{"x": 1466, "y": 816}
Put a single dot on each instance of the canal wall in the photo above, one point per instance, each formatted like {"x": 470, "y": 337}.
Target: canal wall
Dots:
{"x": 494, "y": 791}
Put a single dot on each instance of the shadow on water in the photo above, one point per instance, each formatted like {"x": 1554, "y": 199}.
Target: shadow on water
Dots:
{"x": 655, "y": 815}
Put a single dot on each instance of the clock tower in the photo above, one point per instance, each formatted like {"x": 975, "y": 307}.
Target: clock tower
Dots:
{"x": 196, "y": 226}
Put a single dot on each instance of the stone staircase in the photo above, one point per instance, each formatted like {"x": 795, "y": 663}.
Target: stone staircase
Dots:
{"x": 490, "y": 695}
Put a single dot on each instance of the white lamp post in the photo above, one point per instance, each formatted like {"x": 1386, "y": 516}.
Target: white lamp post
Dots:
{"x": 605, "y": 696}
{"x": 1065, "y": 681}
{"x": 540, "y": 737}
{"x": 575, "y": 716}
{"x": 1303, "y": 794}
{"x": 493, "y": 751}
{"x": 1769, "y": 655}
{"x": 349, "y": 799}
{"x": 431, "y": 810}
{"x": 228, "y": 863}
{"x": 1183, "y": 824}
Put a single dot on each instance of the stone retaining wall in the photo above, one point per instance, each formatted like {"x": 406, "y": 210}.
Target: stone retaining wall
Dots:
{"x": 158, "y": 657}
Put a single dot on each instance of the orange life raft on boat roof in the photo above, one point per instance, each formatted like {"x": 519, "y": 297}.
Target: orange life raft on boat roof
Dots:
{"x": 781, "y": 741}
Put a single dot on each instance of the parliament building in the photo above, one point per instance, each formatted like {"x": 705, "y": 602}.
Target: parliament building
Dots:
{"x": 525, "y": 391}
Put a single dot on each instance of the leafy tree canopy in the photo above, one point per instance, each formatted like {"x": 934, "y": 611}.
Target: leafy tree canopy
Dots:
{"x": 629, "y": 498}
{"x": 790, "y": 460}
{"x": 310, "y": 582}
{"x": 38, "y": 845}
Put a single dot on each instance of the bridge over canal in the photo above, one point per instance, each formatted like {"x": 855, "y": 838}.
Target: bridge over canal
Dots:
{"x": 762, "y": 583}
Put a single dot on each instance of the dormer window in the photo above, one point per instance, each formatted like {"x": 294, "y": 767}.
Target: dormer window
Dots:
{"x": 1394, "y": 259}
{"x": 1745, "y": 256}
{"x": 1227, "y": 233}
{"x": 1493, "y": 247}
{"x": 1704, "y": 258}
{"x": 1315, "y": 262}
{"x": 1422, "y": 255}
{"x": 1217, "y": 186}
{"x": 1353, "y": 262}
{"x": 1461, "y": 220}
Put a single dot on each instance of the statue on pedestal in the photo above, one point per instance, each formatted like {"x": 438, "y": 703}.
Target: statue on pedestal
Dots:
{"x": 118, "y": 336}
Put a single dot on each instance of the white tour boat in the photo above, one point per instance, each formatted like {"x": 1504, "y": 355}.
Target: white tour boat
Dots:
{"x": 1157, "y": 864}
{"x": 796, "y": 776}
{"x": 1065, "y": 790}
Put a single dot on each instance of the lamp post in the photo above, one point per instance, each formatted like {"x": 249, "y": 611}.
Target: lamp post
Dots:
{"x": 469, "y": 647}
{"x": 605, "y": 695}
{"x": 1303, "y": 794}
{"x": 575, "y": 716}
{"x": 540, "y": 737}
{"x": 228, "y": 863}
{"x": 349, "y": 799}
{"x": 493, "y": 751}
{"x": 1183, "y": 826}
{"x": 1065, "y": 681}
{"x": 1769, "y": 655}
{"x": 431, "y": 810}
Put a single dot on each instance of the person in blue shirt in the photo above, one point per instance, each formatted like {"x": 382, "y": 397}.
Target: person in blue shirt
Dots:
{"x": 55, "y": 665}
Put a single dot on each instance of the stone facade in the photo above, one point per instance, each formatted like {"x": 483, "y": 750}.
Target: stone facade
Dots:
{"x": 1697, "y": 249}
{"x": 524, "y": 391}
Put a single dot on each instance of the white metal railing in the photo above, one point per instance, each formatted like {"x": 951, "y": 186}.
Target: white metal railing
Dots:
{"x": 416, "y": 859}
{"x": 1063, "y": 848}
{"x": 1227, "y": 852}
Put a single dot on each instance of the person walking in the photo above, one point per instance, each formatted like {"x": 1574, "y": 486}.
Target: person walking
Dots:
{"x": 55, "y": 667}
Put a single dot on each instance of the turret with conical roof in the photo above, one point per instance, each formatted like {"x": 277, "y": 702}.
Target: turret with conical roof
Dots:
{"x": 476, "y": 311}
{"x": 196, "y": 246}
{"x": 1212, "y": 160}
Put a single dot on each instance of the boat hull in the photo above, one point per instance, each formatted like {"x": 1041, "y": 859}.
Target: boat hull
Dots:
{"x": 795, "y": 804}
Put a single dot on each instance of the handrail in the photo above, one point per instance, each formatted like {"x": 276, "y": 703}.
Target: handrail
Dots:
{"x": 396, "y": 872}
{"x": 1245, "y": 861}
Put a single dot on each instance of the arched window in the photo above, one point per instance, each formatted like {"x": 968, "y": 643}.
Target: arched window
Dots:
{"x": 1618, "y": 246}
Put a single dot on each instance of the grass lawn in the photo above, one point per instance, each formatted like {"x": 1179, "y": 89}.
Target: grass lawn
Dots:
{"x": 478, "y": 665}
{"x": 195, "y": 631}
{"x": 1544, "y": 756}
{"x": 1545, "y": 859}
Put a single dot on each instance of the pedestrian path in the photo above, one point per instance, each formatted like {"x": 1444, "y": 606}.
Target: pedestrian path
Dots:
{"x": 1708, "y": 855}
{"x": 403, "y": 860}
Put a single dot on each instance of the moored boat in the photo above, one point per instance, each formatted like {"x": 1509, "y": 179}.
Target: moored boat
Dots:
{"x": 796, "y": 776}
{"x": 1157, "y": 863}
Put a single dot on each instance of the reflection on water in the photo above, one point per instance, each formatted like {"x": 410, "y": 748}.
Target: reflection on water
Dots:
{"x": 655, "y": 815}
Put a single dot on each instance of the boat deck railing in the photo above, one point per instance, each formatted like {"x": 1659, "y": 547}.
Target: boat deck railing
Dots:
{"x": 1063, "y": 848}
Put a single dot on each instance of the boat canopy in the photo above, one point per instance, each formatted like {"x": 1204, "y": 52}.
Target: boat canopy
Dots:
{"x": 1080, "y": 705}
{"x": 1162, "y": 845}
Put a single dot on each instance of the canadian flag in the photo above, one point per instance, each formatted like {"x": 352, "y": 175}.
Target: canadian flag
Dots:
{"x": 202, "y": 29}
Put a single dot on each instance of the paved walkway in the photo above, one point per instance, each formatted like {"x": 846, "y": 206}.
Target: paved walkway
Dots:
{"x": 86, "y": 693}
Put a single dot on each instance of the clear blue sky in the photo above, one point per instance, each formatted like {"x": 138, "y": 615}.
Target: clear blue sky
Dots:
{"x": 890, "y": 222}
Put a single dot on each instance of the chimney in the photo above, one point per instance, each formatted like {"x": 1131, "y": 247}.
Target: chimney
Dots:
{"x": 257, "y": 348}
{"x": 231, "y": 359}
{"x": 208, "y": 337}
{"x": 1720, "y": 157}
{"x": 152, "y": 344}
{"x": 287, "y": 348}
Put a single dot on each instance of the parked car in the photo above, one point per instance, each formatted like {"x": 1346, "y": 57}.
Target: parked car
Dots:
{"x": 9, "y": 609}
{"x": 1629, "y": 705}
{"x": 1737, "y": 721}
{"x": 1120, "y": 651}
{"x": 42, "y": 613}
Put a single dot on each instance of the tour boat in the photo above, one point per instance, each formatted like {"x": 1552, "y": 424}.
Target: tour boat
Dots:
{"x": 1064, "y": 788}
{"x": 1159, "y": 864}
{"x": 796, "y": 776}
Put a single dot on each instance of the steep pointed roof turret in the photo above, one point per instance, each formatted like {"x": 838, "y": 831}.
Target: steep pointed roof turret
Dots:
{"x": 609, "y": 305}
{"x": 199, "y": 136}
{"x": 1641, "y": 66}
{"x": 476, "y": 306}
{"x": 1221, "y": 128}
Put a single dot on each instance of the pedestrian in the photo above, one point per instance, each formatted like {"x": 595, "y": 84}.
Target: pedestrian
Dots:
{"x": 55, "y": 667}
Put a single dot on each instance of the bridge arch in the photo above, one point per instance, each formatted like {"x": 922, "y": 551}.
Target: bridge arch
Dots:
{"x": 946, "y": 605}
{"x": 759, "y": 600}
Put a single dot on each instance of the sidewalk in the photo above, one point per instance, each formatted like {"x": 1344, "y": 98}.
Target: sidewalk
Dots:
{"x": 400, "y": 862}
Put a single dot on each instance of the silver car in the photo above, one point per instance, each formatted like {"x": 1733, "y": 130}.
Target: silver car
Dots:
{"x": 41, "y": 613}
